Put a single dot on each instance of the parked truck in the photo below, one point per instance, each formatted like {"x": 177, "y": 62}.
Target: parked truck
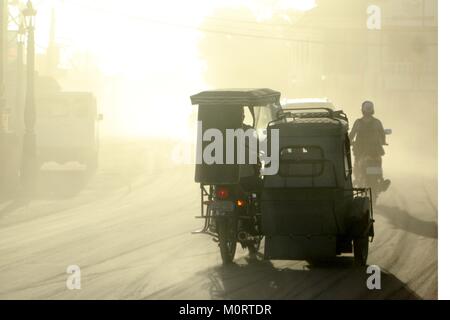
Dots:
{"x": 67, "y": 128}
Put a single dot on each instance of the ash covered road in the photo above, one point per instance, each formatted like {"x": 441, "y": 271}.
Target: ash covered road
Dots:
{"x": 128, "y": 228}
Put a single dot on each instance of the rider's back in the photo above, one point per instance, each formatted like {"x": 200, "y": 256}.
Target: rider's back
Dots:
{"x": 369, "y": 138}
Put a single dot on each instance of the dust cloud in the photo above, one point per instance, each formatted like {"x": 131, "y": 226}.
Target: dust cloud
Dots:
{"x": 142, "y": 62}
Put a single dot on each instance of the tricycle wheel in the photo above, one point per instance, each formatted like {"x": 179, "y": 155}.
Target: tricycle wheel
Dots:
{"x": 361, "y": 250}
{"x": 227, "y": 232}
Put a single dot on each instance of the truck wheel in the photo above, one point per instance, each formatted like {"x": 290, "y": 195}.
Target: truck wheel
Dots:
{"x": 227, "y": 231}
{"x": 361, "y": 250}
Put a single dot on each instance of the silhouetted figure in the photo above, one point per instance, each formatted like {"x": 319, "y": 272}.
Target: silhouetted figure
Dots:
{"x": 368, "y": 138}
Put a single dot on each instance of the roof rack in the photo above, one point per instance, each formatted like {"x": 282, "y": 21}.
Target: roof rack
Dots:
{"x": 311, "y": 113}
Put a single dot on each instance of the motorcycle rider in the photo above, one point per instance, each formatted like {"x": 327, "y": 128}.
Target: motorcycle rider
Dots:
{"x": 368, "y": 138}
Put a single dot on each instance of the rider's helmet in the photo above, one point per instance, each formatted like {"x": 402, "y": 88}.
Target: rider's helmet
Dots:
{"x": 367, "y": 108}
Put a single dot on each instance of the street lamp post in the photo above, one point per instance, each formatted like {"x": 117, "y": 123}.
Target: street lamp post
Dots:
{"x": 29, "y": 163}
{"x": 3, "y": 43}
{"x": 21, "y": 38}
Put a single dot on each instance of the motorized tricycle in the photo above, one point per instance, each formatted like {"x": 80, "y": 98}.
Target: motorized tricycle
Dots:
{"x": 307, "y": 209}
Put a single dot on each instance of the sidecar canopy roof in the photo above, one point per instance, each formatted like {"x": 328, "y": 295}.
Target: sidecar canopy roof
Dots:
{"x": 236, "y": 97}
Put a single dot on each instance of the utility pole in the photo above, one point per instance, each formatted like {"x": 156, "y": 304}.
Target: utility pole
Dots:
{"x": 21, "y": 34}
{"x": 8, "y": 163}
{"x": 29, "y": 161}
{"x": 3, "y": 139}
{"x": 3, "y": 49}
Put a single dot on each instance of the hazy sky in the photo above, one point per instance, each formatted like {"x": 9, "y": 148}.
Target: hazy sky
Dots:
{"x": 139, "y": 42}
{"x": 107, "y": 28}
{"x": 148, "y": 53}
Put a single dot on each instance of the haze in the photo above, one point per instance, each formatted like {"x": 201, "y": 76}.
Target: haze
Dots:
{"x": 128, "y": 224}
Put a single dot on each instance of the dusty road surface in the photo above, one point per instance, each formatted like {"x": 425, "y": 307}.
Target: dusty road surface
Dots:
{"x": 128, "y": 229}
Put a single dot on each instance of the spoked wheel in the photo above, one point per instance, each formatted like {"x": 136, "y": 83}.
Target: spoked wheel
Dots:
{"x": 361, "y": 250}
{"x": 227, "y": 232}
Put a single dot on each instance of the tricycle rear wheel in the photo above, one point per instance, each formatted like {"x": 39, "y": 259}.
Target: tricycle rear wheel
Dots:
{"x": 227, "y": 232}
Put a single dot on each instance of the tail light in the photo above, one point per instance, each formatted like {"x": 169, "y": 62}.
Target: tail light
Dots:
{"x": 240, "y": 203}
{"x": 222, "y": 193}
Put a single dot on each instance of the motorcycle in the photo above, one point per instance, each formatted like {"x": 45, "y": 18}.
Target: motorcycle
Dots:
{"x": 369, "y": 173}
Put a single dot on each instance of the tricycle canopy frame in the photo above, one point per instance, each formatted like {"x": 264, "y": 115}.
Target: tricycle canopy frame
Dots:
{"x": 221, "y": 110}
{"x": 237, "y": 97}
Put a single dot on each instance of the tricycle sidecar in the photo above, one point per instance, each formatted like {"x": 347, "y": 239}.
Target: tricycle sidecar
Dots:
{"x": 310, "y": 210}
